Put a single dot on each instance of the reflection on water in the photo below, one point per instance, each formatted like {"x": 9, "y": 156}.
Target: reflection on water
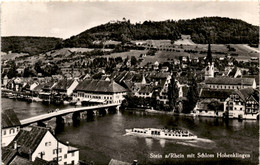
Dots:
{"x": 102, "y": 138}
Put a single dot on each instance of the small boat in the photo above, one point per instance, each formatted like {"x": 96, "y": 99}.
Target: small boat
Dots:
{"x": 162, "y": 133}
{"x": 66, "y": 102}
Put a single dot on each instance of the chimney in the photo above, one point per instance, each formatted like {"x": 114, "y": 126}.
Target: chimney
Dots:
{"x": 15, "y": 145}
{"x": 30, "y": 154}
{"x": 68, "y": 144}
{"x": 135, "y": 162}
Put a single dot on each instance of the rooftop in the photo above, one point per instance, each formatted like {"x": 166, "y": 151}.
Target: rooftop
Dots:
{"x": 63, "y": 84}
{"x": 215, "y": 93}
{"x": 247, "y": 92}
{"x": 29, "y": 138}
{"x": 230, "y": 81}
{"x": 9, "y": 119}
{"x": 100, "y": 86}
{"x": 118, "y": 162}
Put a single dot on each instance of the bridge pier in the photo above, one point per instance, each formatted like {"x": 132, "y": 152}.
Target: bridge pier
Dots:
{"x": 102, "y": 112}
{"x": 90, "y": 114}
{"x": 76, "y": 118}
{"x": 59, "y": 124}
{"x": 112, "y": 110}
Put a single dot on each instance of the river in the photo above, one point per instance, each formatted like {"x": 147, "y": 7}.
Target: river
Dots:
{"x": 104, "y": 138}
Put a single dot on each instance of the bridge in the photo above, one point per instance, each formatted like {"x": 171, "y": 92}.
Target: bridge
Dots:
{"x": 64, "y": 112}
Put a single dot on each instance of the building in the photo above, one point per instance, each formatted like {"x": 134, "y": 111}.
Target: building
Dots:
{"x": 65, "y": 87}
{"x": 209, "y": 70}
{"x": 230, "y": 83}
{"x": 145, "y": 91}
{"x": 38, "y": 142}
{"x": 10, "y": 126}
{"x": 243, "y": 103}
{"x": 207, "y": 96}
{"x": 99, "y": 91}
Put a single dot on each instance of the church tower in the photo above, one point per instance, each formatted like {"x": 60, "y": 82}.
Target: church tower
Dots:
{"x": 209, "y": 70}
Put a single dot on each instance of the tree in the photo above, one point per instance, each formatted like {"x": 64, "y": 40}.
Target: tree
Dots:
{"x": 192, "y": 97}
{"x": 173, "y": 92}
{"x": 12, "y": 71}
{"x": 215, "y": 105}
{"x": 133, "y": 61}
{"x": 28, "y": 72}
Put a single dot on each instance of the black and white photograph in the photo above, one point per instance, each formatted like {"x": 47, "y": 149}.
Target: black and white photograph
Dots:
{"x": 116, "y": 82}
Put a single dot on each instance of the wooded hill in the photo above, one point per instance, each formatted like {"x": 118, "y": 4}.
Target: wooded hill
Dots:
{"x": 220, "y": 30}
{"x": 31, "y": 45}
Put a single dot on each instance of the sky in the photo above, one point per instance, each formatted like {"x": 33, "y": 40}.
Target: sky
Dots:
{"x": 65, "y": 19}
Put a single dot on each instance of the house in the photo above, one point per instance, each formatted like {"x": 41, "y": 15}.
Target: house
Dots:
{"x": 5, "y": 81}
{"x": 20, "y": 70}
{"x": 10, "y": 126}
{"x": 243, "y": 103}
{"x": 156, "y": 65}
{"x": 164, "y": 69}
{"x": 145, "y": 91}
{"x": 65, "y": 87}
{"x": 207, "y": 96}
{"x": 229, "y": 83}
{"x": 33, "y": 141}
{"x": 99, "y": 91}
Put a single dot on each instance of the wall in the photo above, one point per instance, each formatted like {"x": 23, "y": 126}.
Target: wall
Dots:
{"x": 8, "y": 134}
{"x": 49, "y": 146}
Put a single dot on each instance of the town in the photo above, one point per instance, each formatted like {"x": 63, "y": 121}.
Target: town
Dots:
{"x": 155, "y": 76}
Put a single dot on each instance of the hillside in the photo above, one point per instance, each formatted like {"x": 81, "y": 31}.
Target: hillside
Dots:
{"x": 31, "y": 45}
{"x": 221, "y": 31}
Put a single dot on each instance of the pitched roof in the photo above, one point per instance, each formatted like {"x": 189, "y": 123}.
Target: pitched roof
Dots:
{"x": 256, "y": 77}
{"x": 9, "y": 119}
{"x": 18, "y": 160}
{"x": 118, "y": 162}
{"x": 8, "y": 155}
{"x": 247, "y": 92}
{"x": 63, "y": 84}
{"x": 39, "y": 161}
{"x": 100, "y": 86}
{"x": 230, "y": 81}
{"x": 29, "y": 138}
{"x": 146, "y": 89}
{"x": 215, "y": 93}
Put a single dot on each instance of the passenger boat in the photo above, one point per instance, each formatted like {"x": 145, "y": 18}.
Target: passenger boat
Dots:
{"x": 162, "y": 133}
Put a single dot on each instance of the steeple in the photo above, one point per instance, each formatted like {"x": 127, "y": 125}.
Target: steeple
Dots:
{"x": 209, "y": 55}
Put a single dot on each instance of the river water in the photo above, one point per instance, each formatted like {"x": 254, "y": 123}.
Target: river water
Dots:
{"x": 104, "y": 138}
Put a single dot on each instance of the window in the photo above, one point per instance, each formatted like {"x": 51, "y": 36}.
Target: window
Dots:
{"x": 4, "y": 132}
{"x": 17, "y": 129}
{"x": 60, "y": 150}
{"x": 65, "y": 156}
{"x": 12, "y": 131}
{"x": 65, "y": 163}
{"x": 60, "y": 158}
{"x": 54, "y": 151}
{"x": 72, "y": 162}
{"x": 72, "y": 154}
{"x": 46, "y": 143}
